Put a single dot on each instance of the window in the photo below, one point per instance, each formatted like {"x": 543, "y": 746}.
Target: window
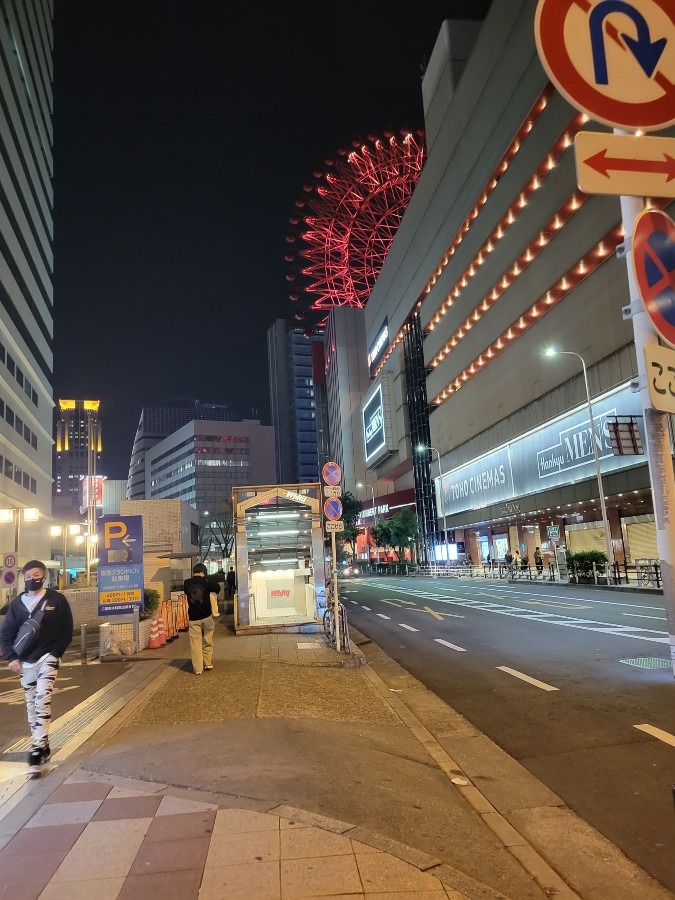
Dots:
{"x": 9, "y": 469}
{"x": 34, "y": 396}
{"x": 17, "y": 474}
{"x": 10, "y": 364}
{"x": 2, "y": 408}
{"x": 2, "y": 353}
{"x": 26, "y": 433}
{"x": 19, "y": 376}
{"x": 26, "y": 480}
{"x": 33, "y": 486}
{"x": 33, "y": 441}
{"x": 9, "y": 415}
{"x": 18, "y": 424}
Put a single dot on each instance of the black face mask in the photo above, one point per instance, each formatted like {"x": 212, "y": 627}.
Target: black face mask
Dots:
{"x": 34, "y": 584}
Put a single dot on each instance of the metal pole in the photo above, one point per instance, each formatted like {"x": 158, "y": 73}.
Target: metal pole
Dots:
{"x": 83, "y": 643}
{"x": 65, "y": 551}
{"x": 445, "y": 521}
{"x": 336, "y": 599}
{"x": 656, "y": 430}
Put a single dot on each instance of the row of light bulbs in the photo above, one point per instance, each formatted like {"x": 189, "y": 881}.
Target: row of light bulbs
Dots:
{"x": 527, "y": 126}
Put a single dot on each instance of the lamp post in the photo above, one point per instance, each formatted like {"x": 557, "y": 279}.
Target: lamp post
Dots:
{"x": 423, "y": 449}
{"x": 63, "y": 531}
{"x": 551, "y": 351}
{"x": 360, "y": 484}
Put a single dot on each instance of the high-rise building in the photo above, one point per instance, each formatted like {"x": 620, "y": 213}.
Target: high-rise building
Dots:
{"x": 26, "y": 293}
{"x": 77, "y": 456}
{"x": 292, "y": 402}
{"x": 158, "y": 422}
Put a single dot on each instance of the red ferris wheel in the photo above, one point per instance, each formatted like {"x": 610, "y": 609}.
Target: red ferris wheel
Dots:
{"x": 350, "y": 215}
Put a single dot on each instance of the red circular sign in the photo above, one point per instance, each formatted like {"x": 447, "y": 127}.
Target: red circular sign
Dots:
{"x": 9, "y": 578}
{"x": 332, "y": 473}
{"x": 333, "y": 509}
{"x": 654, "y": 265}
{"x": 574, "y": 53}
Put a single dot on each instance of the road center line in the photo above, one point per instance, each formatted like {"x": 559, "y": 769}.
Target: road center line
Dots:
{"x": 382, "y": 616}
{"x": 664, "y": 736}
{"x": 534, "y": 681}
{"x": 409, "y": 627}
{"x": 366, "y": 607}
{"x": 448, "y": 644}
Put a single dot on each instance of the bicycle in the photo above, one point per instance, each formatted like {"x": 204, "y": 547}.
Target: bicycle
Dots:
{"x": 329, "y": 624}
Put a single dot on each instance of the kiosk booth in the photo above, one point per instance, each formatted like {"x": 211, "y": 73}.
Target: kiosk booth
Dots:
{"x": 279, "y": 550}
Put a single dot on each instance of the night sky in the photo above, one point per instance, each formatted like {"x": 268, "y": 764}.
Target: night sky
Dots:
{"x": 183, "y": 135}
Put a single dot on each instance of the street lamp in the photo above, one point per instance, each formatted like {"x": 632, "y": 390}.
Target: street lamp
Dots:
{"x": 11, "y": 514}
{"x": 423, "y": 449}
{"x": 360, "y": 484}
{"x": 551, "y": 351}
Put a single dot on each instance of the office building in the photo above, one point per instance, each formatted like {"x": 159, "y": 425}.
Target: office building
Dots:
{"x": 158, "y": 422}
{"x": 26, "y": 293}
{"x": 77, "y": 458}
{"x": 498, "y": 257}
{"x": 292, "y": 402}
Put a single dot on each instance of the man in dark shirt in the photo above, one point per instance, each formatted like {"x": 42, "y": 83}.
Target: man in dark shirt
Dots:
{"x": 198, "y": 590}
{"x": 231, "y": 582}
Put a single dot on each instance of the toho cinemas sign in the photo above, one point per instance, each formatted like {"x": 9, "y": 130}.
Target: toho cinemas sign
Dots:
{"x": 557, "y": 453}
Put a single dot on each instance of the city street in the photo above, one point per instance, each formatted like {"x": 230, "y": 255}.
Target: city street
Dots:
{"x": 545, "y": 671}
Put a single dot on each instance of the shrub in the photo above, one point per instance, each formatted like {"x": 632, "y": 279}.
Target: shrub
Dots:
{"x": 582, "y": 563}
{"x": 151, "y": 600}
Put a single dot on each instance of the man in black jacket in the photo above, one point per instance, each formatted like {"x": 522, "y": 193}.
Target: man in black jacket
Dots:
{"x": 198, "y": 590}
{"x": 39, "y": 664}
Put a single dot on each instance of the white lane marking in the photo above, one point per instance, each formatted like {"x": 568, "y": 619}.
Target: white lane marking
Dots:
{"x": 645, "y": 633}
{"x": 366, "y": 607}
{"x": 354, "y": 602}
{"x": 523, "y": 677}
{"x": 664, "y": 736}
{"x": 448, "y": 644}
{"x": 409, "y": 627}
{"x": 584, "y": 599}
{"x": 638, "y": 616}
{"x": 382, "y": 616}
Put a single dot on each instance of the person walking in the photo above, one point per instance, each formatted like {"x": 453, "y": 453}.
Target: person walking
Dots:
{"x": 231, "y": 580}
{"x": 198, "y": 590}
{"x": 37, "y": 664}
{"x": 539, "y": 561}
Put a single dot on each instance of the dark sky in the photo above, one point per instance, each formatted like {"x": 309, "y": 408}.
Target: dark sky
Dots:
{"x": 183, "y": 135}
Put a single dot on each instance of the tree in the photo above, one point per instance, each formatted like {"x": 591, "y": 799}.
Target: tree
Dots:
{"x": 217, "y": 530}
{"x": 404, "y": 530}
{"x": 381, "y": 534}
{"x": 351, "y": 511}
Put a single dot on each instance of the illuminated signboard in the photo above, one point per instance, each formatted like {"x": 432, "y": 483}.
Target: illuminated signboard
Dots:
{"x": 98, "y": 490}
{"x": 378, "y": 346}
{"x": 373, "y": 425}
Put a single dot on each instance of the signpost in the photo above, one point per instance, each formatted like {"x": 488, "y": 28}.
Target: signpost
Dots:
{"x": 332, "y": 474}
{"x": 615, "y": 61}
{"x": 10, "y": 569}
{"x": 120, "y": 570}
{"x": 660, "y": 363}
{"x": 625, "y": 164}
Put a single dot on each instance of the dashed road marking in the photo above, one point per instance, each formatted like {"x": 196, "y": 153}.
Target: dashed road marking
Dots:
{"x": 354, "y": 602}
{"x": 638, "y": 616}
{"x": 523, "y": 677}
{"x": 553, "y": 603}
{"x": 367, "y": 608}
{"x": 409, "y": 627}
{"x": 448, "y": 644}
{"x": 664, "y": 736}
{"x": 382, "y": 616}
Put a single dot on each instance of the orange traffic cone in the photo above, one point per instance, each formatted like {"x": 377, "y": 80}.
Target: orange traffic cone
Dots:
{"x": 155, "y": 642}
{"x": 162, "y": 631}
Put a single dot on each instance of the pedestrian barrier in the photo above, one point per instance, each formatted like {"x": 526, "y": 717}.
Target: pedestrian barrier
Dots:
{"x": 180, "y": 606}
{"x": 155, "y": 641}
{"x": 169, "y": 620}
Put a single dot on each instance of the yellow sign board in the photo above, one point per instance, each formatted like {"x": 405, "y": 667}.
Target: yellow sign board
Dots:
{"x": 661, "y": 377}
{"x": 625, "y": 164}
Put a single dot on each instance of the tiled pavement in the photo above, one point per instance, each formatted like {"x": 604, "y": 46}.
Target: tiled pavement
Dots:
{"x": 101, "y": 839}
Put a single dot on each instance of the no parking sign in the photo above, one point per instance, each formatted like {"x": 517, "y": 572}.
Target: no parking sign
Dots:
{"x": 654, "y": 263}
{"x": 10, "y": 570}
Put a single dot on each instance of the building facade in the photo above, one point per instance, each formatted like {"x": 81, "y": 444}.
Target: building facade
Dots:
{"x": 499, "y": 257}
{"x": 201, "y": 462}
{"x": 26, "y": 293}
{"x": 77, "y": 455}
{"x": 158, "y": 422}
{"x": 292, "y": 402}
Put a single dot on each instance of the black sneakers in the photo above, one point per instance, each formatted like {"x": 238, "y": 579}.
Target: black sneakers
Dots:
{"x": 37, "y": 757}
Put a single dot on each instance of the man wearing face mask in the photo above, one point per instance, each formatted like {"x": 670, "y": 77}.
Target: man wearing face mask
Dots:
{"x": 39, "y": 664}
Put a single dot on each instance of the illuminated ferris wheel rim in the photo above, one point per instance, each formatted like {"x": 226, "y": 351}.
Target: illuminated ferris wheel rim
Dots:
{"x": 353, "y": 211}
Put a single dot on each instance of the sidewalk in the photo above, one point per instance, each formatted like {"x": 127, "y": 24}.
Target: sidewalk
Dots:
{"x": 284, "y": 773}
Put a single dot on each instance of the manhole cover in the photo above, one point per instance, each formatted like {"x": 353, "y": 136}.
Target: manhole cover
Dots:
{"x": 648, "y": 662}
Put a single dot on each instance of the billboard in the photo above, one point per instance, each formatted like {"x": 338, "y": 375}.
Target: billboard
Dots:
{"x": 120, "y": 570}
{"x": 557, "y": 453}
{"x": 379, "y": 346}
{"x": 97, "y": 481}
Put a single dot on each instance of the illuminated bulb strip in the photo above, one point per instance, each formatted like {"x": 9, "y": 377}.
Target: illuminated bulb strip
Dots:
{"x": 557, "y": 292}
{"x": 514, "y": 147}
{"x": 564, "y": 214}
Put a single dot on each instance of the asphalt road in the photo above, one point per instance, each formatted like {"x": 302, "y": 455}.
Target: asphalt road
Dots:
{"x": 542, "y": 670}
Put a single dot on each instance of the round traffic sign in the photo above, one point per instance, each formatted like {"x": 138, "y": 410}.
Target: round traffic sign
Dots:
{"x": 8, "y": 578}
{"x": 612, "y": 59}
{"x": 654, "y": 265}
{"x": 333, "y": 508}
{"x": 332, "y": 473}
{"x": 10, "y": 560}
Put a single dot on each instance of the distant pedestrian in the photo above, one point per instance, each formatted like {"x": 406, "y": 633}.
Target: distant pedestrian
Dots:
{"x": 198, "y": 590}
{"x": 231, "y": 581}
{"x": 38, "y": 661}
{"x": 539, "y": 561}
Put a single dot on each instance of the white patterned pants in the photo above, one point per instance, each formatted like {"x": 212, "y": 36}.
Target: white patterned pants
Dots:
{"x": 38, "y": 684}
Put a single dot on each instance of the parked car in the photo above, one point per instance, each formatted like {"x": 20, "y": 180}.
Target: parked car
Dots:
{"x": 349, "y": 572}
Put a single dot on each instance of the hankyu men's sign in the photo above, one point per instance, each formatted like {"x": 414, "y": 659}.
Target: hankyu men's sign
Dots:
{"x": 373, "y": 425}
{"x": 554, "y": 454}
{"x": 378, "y": 346}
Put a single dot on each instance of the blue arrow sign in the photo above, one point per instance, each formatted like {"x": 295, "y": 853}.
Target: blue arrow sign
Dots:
{"x": 646, "y": 52}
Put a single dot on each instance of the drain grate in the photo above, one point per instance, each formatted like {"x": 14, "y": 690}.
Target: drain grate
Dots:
{"x": 648, "y": 662}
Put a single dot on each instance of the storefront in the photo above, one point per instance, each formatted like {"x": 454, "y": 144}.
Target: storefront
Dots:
{"x": 540, "y": 489}
{"x": 281, "y": 583}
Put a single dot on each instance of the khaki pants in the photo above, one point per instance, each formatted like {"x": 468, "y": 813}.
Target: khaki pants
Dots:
{"x": 201, "y": 643}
